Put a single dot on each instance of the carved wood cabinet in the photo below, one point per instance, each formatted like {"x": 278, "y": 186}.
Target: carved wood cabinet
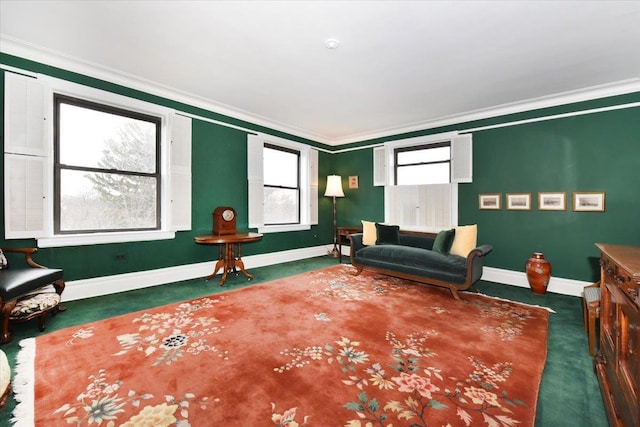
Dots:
{"x": 617, "y": 362}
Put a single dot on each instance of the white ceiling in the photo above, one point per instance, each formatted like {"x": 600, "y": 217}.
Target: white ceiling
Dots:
{"x": 400, "y": 65}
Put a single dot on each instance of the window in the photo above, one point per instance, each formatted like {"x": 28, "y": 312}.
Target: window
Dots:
{"x": 124, "y": 178}
{"x": 421, "y": 177}
{"x": 281, "y": 185}
{"x": 107, "y": 168}
{"x": 423, "y": 164}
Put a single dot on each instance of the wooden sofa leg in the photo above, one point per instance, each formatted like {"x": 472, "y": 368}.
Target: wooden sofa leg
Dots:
{"x": 358, "y": 271}
{"x": 6, "y": 309}
{"x": 454, "y": 292}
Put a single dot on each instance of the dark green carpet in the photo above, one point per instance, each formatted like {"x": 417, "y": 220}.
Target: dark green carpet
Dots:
{"x": 569, "y": 394}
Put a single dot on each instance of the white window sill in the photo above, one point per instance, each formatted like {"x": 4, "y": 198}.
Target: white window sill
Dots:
{"x": 283, "y": 228}
{"x": 103, "y": 238}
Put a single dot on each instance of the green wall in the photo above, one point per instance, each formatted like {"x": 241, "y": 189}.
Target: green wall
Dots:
{"x": 366, "y": 202}
{"x": 592, "y": 152}
{"x": 219, "y": 177}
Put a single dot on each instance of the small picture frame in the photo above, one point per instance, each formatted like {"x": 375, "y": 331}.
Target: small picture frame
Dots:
{"x": 588, "y": 201}
{"x": 519, "y": 201}
{"x": 353, "y": 181}
{"x": 490, "y": 201}
{"x": 552, "y": 201}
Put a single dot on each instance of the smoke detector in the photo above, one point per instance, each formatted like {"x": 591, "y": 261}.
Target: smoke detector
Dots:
{"x": 332, "y": 43}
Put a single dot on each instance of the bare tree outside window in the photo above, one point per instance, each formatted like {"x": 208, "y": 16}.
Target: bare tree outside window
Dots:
{"x": 107, "y": 175}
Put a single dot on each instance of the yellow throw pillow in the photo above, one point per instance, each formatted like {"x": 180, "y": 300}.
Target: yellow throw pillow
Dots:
{"x": 369, "y": 234}
{"x": 465, "y": 240}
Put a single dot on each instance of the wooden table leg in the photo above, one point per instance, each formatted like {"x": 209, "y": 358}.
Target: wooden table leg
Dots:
{"x": 229, "y": 262}
{"x": 219, "y": 264}
{"x": 240, "y": 264}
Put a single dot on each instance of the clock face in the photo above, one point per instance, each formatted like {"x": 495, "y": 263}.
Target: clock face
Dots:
{"x": 227, "y": 215}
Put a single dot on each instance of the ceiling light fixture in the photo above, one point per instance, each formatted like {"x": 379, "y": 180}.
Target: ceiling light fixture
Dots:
{"x": 332, "y": 43}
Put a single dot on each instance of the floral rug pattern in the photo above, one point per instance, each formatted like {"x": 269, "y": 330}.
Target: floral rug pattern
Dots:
{"x": 323, "y": 348}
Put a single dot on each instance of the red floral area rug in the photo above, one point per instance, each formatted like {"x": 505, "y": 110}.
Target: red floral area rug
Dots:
{"x": 322, "y": 348}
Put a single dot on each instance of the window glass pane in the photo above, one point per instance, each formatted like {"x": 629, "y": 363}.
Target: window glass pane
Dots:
{"x": 425, "y": 155}
{"x": 436, "y": 173}
{"x": 97, "y": 139}
{"x": 280, "y": 168}
{"x": 281, "y": 206}
{"x": 106, "y": 201}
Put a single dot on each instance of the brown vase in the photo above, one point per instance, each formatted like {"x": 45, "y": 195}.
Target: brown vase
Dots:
{"x": 538, "y": 273}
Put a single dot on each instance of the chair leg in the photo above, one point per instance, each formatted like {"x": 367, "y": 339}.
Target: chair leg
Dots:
{"x": 41, "y": 320}
{"x": 59, "y": 287}
{"x": 5, "y": 311}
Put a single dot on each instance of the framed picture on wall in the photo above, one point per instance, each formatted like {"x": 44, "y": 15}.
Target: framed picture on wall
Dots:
{"x": 519, "y": 201}
{"x": 490, "y": 201}
{"x": 591, "y": 201}
{"x": 552, "y": 201}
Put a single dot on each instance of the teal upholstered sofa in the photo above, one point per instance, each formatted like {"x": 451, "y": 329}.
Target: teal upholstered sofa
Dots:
{"x": 413, "y": 258}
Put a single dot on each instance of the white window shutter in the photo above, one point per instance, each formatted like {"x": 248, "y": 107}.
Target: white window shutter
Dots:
{"x": 434, "y": 203}
{"x": 24, "y": 196}
{"x": 379, "y": 166}
{"x": 401, "y": 205}
{"x": 420, "y": 207}
{"x": 255, "y": 177}
{"x": 24, "y": 115}
{"x": 313, "y": 187}
{"x": 180, "y": 173}
{"x": 462, "y": 158}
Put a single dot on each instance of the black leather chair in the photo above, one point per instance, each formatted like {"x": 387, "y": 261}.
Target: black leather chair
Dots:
{"x": 23, "y": 294}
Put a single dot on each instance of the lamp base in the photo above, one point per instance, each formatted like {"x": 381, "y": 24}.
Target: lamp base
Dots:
{"x": 334, "y": 253}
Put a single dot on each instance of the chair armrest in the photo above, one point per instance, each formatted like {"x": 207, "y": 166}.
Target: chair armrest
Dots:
{"x": 27, "y": 255}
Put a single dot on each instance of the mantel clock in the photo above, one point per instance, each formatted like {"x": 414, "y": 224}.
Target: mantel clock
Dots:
{"x": 224, "y": 220}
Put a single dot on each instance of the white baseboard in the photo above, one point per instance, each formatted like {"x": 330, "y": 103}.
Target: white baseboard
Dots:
{"x": 557, "y": 285}
{"x": 98, "y": 286}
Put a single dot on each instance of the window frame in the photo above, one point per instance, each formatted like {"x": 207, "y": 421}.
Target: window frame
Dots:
{"x": 308, "y": 169}
{"x": 461, "y": 170}
{"x": 28, "y": 155}
{"x": 428, "y": 146}
{"x": 298, "y": 188}
{"x": 58, "y": 167}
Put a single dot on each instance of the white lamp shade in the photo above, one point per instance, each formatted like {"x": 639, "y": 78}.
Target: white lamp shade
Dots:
{"x": 334, "y": 186}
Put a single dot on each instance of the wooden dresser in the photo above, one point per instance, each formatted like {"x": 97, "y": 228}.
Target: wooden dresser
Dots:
{"x": 617, "y": 362}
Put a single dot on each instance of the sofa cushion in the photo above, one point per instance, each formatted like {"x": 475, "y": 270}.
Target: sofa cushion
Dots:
{"x": 413, "y": 257}
{"x": 465, "y": 240}
{"x": 443, "y": 241}
{"x": 369, "y": 233}
{"x": 414, "y": 261}
{"x": 387, "y": 234}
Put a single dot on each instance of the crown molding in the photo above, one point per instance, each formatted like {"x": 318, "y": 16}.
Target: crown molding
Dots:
{"x": 22, "y": 49}
{"x": 586, "y": 94}
{"x": 58, "y": 59}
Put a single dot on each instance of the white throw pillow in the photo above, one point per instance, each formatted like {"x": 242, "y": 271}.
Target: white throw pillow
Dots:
{"x": 369, "y": 233}
{"x": 465, "y": 240}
